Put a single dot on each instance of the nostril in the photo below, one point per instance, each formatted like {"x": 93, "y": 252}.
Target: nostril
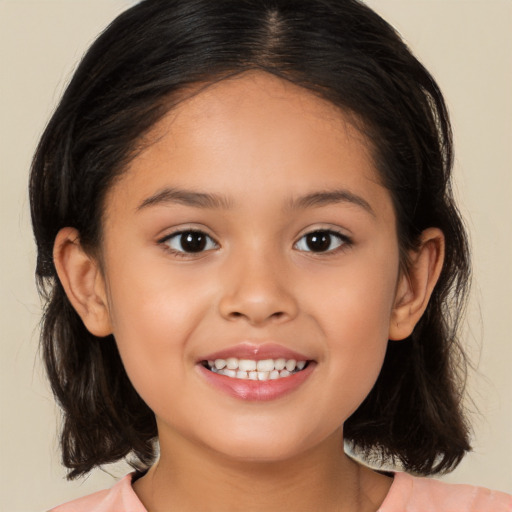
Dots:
{"x": 278, "y": 315}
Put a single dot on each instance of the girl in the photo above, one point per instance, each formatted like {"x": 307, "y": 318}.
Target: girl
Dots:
{"x": 250, "y": 254}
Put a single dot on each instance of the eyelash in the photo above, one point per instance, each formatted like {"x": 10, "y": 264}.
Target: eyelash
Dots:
{"x": 344, "y": 242}
{"x": 166, "y": 241}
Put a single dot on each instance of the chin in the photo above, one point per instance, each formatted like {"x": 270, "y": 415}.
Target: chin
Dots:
{"x": 268, "y": 446}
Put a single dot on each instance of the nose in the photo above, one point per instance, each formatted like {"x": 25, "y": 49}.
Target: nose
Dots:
{"x": 257, "y": 290}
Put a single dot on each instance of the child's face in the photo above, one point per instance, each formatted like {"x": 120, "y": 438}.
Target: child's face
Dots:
{"x": 280, "y": 164}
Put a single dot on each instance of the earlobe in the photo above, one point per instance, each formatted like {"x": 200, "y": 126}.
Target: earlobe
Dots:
{"x": 82, "y": 280}
{"x": 416, "y": 285}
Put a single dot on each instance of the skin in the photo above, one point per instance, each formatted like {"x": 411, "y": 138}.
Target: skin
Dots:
{"x": 258, "y": 143}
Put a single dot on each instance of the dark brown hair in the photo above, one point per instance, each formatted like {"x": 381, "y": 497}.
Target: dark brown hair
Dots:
{"x": 130, "y": 77}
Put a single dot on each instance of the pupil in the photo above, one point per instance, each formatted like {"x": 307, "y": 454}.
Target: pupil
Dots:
{"x": 319, "y": 241}
{"x": 193, "y": 242}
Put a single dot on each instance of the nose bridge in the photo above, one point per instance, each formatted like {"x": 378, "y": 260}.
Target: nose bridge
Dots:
{"x": 256, "y": 287}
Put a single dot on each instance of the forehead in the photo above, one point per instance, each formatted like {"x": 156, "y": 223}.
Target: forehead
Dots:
{"x": 253, "y": 129}
{"x": 254, "y": 93}
{"x": 255, "y": 101}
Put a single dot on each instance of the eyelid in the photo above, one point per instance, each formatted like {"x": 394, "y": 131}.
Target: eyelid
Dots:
{"x": 346, "y": 240}
{"x": 171, "y": 231}
{"x": 330, "y": 228}
{"x": 164, "y": 241}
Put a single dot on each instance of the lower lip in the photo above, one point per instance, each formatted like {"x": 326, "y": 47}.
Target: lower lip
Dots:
{"x": 257, "y": 390}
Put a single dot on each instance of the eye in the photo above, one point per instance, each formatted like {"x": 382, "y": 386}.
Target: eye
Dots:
{"x": 189, "y": 242}
{"x": 322, "y": 240}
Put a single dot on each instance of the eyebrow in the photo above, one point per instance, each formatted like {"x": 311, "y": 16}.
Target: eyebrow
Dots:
{"x": 187, "y": 198}
{"x": 215, "y": 201}
{"x": 325, "y": 198}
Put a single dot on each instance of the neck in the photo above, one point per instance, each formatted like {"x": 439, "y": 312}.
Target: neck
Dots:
{"x": 191, "y": 478}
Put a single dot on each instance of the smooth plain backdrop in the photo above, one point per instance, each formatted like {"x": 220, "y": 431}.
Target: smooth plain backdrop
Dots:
{"x": 466, "y": 44}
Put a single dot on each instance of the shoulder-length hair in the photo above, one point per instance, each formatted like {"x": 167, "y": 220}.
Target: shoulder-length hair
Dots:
{"x": 341, "y": 51}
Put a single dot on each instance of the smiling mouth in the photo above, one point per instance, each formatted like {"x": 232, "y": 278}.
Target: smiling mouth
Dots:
{"x": 251, "y": 369}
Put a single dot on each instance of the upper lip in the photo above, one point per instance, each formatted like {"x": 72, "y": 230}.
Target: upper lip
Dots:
{"x": 249, "y": 350}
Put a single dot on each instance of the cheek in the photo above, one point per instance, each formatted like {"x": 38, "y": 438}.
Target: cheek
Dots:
{"x": 356, "y": 300}
{"x": 153, "y": 301}
{"x": 353, "y": 312}
{"x": 153, "y": 315}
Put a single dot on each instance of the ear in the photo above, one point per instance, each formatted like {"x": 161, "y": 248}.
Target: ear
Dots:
{"x": 82, "y": 280}
{"x": 415, "y": 286}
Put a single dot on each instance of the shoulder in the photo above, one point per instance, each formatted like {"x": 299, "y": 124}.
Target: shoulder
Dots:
{"x": 428, "y": 495}
{"x": 119, "y": 497}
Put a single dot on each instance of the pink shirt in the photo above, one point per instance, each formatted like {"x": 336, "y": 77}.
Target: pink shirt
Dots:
{"x": 407, "y": 494}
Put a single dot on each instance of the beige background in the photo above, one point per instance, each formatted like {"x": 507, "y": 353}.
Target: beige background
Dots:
{"x": 467, "y": 44}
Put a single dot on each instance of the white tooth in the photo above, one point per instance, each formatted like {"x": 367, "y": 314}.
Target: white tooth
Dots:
{"x": 279, "y": 364}
{"x": 253, "y": 375}
{"x": 301, "y": 364}
{"x": 232, "y": 363}
{"x": 284, "y": 373}
{"x": 214, "y": 370}
{"x": 262, "y": 375}
{"x": 247, "y": 365}
{"x": 290, "y": 365}
{"x": 242, "y": 375}
{"x": 229, "y": 373}
{"x": 220, "y": 372}
{"x": 274, "y": 374}
{"x": 220, "y": 363}
{"x": 211, "y": 364}
{"x": 265, "y": 365}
